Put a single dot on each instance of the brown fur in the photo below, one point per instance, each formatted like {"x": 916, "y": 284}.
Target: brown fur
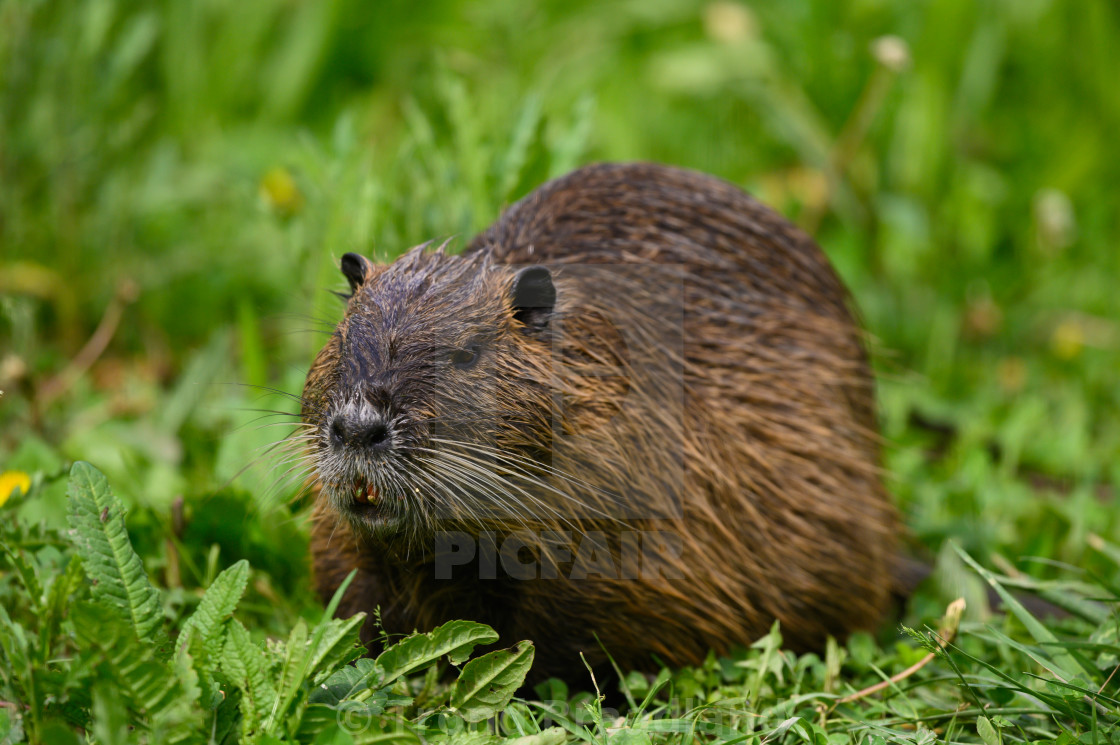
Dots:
{"x": 701, "y": 374}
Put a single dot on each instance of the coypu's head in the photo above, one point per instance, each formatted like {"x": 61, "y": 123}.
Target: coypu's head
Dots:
{"x": 431, "y": 387}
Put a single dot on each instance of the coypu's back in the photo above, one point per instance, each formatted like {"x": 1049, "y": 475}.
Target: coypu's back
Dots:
{"x": 736, "y": 416}
{"x": 735, "y": 254}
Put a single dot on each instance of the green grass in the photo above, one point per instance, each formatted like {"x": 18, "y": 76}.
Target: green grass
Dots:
{"x": 185, "y": 175}
{"x": 83, "y": 638}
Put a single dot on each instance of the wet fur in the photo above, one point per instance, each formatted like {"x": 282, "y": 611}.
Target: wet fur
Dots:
{"x": 779, "y": 501}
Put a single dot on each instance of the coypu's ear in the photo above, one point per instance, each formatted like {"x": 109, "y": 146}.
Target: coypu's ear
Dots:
{"x": 356, "y": 268}
{"x": 534, "y": 295}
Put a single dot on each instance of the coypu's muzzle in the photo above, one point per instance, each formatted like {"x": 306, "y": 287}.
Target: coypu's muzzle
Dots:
{"x": 361, "y": 454}
{"x": 364, "y": 432}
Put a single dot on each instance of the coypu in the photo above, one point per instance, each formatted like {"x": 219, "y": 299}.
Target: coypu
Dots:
{"x": 636, "y": 410}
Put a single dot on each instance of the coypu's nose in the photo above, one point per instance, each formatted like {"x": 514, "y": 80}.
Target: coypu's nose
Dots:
{"x": 373, "y": 434}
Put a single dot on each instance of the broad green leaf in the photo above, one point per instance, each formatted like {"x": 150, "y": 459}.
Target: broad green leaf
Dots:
{"x": 626, "y": 737}
{"x": 986, "y": 731}
{"x": 292, "y": 673}
{"x": 26, "y": 573}
{"x": 183, "y": 665}
{"x": 57, "y": 733}
{"x": 457, "y": 736}
{"x": 345, "y": 683}
{"x": 162, "y": 698}
{"x": 456, "y": 639}
{"x": 550, "y": 736}
{"x": 246, "y": 666}
{"x": 352, "y": 680}
{"x": 58, "y": 600}
{"x": 96, "y": 520}
{"x": 109, "y": 715}
{"x": 226, "y": 718}
{"x": 334, "y": 736}
{"x": 13, "y": 643}
{"x": 782, "y": 728}
{"x": 487, "y": 684}
{"x": 295, "y": 659}
{"x": 334, "y": 643}
{"x": 321, "y": 720}
{"x": 216, "y": 607}
{"x": 317, "y": 719}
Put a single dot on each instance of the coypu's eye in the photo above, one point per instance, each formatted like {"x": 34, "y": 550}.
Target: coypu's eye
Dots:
{"x": 466, "y": 357}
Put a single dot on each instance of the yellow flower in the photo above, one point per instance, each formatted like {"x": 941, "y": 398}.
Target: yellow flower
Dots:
{"x": 279, "y": 190}
{"x": 1067, "y": 339}
{"x": 10, "y": 482}
{"x": 729, "y": 22}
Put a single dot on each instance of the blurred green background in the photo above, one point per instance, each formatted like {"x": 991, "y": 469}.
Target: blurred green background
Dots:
{"x": 178, "y": 180}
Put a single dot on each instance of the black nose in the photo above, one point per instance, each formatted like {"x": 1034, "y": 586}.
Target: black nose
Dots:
{"x": 374, "y": 434}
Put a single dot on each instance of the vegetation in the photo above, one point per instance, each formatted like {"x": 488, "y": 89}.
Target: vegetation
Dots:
{"x": 178, "y": 180}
